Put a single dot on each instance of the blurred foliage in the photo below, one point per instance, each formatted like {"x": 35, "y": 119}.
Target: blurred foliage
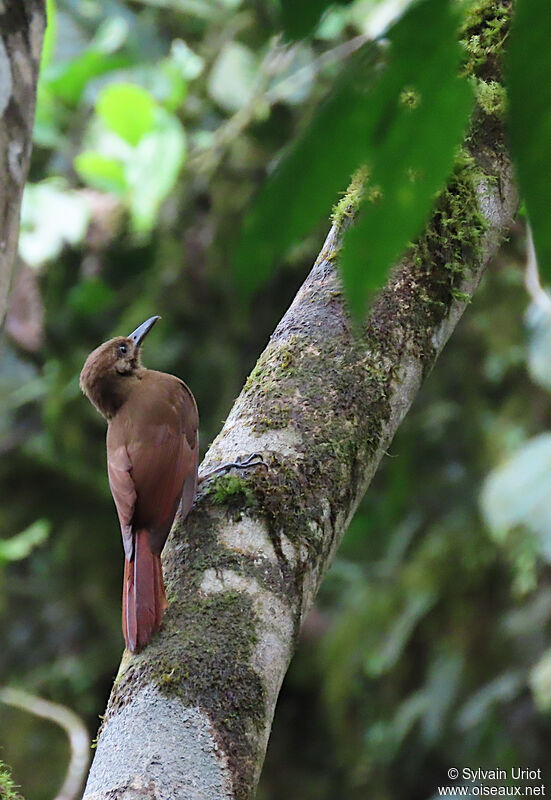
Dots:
{"x": 430, "y": 644}
{"x": 298, "y": 19}
{"x": 405, "y": 128}
{"x": 530, "y": 117}
{"x": 22, "y": 544}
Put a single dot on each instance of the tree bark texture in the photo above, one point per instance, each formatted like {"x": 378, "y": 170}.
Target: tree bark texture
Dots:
{"x": 22, "y": 24}
{"x": 189, "y": 718}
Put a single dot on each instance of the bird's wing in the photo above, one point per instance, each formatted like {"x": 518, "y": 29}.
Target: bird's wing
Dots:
{"x": 121, "y": 483}
{"x": 160, "y": 439}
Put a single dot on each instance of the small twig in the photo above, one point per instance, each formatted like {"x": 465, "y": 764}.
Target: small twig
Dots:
{"x": 71, "y": 724}
{"x": 532, "y": 278}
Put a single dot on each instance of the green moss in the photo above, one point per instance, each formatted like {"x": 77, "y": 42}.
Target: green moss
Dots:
{"x": 410, "y": 98}
{"x": 484, "y": 34}
{"x": 463, "y": 297}
{"x": 271, "y": 371}
{"x": 450, "y": 246}
{"x": 337, "y": 397}
{"x": 352, "y": 198}
{"x": 8, "y": 789}
{"x": 491, "y": 97}
{"x": 453, "y": 236}
{"x": 229, "y": 490}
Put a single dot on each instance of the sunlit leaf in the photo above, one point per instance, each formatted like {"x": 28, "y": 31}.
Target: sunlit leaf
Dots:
{"x": 540, "y": 682}
{"x": 233, "y": 76}
{"x": 539, "y": 346}
{"x": 50, "y": 34}
{"x": 529, "y": 66}
{"x": 48, "y": 120}
{"x": 21, "y": 545}
{"x": 189, "y": 63}
{"x": 127, "y": 110}
{"x": 51, "y": 217}
{"x": 68, "y": 80}
{"x": 153, "y": 168}
{"x": 101, "y": 172}
{"x": 294, "y": 83}
{"x": 111, "y": 35}
{"x": 164, "y": 81}
{"x": 518, "y": 493}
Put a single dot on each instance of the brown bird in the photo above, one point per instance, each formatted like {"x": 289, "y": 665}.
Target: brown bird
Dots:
{"x": 152, "y": 449}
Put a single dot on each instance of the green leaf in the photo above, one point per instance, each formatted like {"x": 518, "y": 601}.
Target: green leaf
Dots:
{"x": 540, "y": 683}
{"x": 21, "y": 545}
{"x": 90, "y": 296}
{"x": 51, "y": 217}
{"x": 47, "y": 119}
{"x": 69, "y": 79}
{"x": 517, "y": 494}
{"x": 101, "y": 172}
{"x": 50, "y": 34}
{"x": 383, "y": 657}
{"x": 528, "y": 70}
{"x": 188, "y": 62}
{"x": 233, "y": 77}
{"x": 127, "y": 110}
{"x": 153, "y": 168}
{"x": 539, "y": 346}
{"x": 500, "y": 690}
{"x": 406, "y": 127}
{"x": 424, "y": 107}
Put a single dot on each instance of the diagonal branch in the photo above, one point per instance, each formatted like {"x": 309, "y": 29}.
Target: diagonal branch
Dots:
{"x": 190, "y": 716}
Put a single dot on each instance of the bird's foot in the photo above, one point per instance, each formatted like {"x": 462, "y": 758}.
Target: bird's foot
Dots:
{"x": 252, "y": 461}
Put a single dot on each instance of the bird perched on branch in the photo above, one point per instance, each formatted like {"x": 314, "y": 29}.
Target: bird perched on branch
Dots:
{"x": 152, "y": 450}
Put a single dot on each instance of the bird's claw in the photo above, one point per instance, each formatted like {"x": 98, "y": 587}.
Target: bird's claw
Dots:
{"x": 252, "y": 461}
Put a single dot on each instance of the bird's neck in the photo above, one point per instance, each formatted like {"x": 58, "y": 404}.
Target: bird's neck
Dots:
{"x": 109, "y": 392}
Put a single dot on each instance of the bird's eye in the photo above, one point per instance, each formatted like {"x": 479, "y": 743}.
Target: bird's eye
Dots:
{"x": 123, "y": 349}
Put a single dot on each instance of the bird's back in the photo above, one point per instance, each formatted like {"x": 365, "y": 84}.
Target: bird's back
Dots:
{"x": 152, "y": 450}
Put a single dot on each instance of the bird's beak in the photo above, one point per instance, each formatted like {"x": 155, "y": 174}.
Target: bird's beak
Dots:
{"x": 142, "y": 330}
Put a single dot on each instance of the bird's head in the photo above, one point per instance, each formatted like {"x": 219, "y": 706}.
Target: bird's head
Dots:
{"x": 103, "y": 375}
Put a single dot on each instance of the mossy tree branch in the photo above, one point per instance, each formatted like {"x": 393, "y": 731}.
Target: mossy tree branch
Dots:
{"x": 22, "y": 24}
{"x": 191, "y": 715}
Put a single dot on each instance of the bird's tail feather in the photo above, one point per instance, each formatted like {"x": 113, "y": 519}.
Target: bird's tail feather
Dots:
{"x": 143, "y": 594}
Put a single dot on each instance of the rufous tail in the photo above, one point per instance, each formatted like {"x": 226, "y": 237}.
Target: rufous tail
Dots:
{"x": 143, "y": 594}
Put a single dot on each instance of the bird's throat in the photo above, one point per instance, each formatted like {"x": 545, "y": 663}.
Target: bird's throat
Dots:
{"x": 109, "y": 392}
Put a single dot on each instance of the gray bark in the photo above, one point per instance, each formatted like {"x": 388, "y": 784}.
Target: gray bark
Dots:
{"x": 190, "y": 716}
{"x": 22, "y": 24}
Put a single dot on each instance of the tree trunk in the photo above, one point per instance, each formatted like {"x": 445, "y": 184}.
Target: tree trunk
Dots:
{"x": 22, "y": 24}
{"x": 190, "y": 716}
